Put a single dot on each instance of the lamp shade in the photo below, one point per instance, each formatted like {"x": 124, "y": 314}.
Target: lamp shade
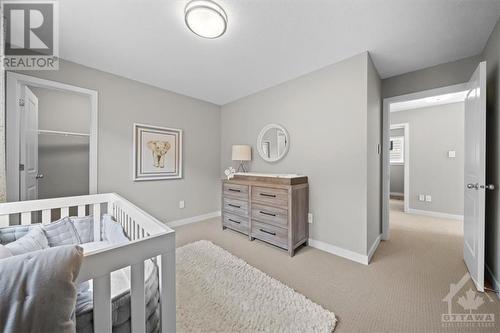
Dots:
{"x": 242, "y": 153}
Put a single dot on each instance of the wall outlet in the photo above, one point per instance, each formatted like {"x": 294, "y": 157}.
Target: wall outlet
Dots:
{"x": 428, "y": 198}
{"x": 421, "y": 197}
{"x": 182, "y": 204}
{"x": 310, "y": 218}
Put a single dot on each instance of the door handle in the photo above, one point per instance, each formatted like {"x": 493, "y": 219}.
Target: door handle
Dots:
{"x": 39, "y": 176}
{"x": 490, "y": 187}
{"x": 471, "y": 186}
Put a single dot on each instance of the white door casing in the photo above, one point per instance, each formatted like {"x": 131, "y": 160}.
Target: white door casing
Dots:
{"x": 474, "y": 174}
{"x": 28, "y": 145}
{"x": 386, "y": 125}
{"x": 14, "y": 91}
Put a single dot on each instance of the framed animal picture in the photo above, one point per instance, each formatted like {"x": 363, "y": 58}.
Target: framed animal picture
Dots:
{"x": 157, "y": 152}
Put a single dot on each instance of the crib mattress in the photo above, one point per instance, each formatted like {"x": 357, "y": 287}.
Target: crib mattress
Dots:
{"x": 120, "y": 294}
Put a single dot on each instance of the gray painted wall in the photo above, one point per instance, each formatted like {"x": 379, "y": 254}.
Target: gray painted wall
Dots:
{"x": 397, "y": 170}
{"x": 374, "y": 142}
{"x": 429, "y": 78}
{"x": 491, "y": 54}
{"x": 123, "y": 102}
{"x": 325, "y": 113}
{"x": 398, "y": 179}
{"x": 63, "y": 160}
{"x": 433, "y": 132}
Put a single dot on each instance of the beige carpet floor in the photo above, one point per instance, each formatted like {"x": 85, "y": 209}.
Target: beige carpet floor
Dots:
{"x": 402, "y": 290}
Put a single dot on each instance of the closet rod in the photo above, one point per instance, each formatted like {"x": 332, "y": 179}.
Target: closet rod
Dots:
{"x": 63, "y": 133}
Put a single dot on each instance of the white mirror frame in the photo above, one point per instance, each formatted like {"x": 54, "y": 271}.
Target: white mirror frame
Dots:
{"x": 261, "y": 137}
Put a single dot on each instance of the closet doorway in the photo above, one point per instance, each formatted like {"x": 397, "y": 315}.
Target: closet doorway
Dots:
{"x": 51, "y": 139}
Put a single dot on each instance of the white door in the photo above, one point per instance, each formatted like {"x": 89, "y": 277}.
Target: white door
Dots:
{"x": 474, "y": 172}
{"x": 28, "y": 145}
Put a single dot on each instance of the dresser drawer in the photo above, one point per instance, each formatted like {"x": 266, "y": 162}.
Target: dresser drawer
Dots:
{"x": 236, "y": 191}
{"x": 235, "y": 206}
{"x": 272, "y": 215}
{"x": 271, "y": 196}
{"x": 269, "y": 233}
{"x": 235, "y": 222}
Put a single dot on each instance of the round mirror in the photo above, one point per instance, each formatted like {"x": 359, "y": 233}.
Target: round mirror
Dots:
{"x": 273, "y": 142}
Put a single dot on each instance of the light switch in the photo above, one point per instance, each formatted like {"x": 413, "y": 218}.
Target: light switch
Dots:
{"x": 428, "y": 198}
{"x": 421, "y": 197}
{"x": 452, "y": 153}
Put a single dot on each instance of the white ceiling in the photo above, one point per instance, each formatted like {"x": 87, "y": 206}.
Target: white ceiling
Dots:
{"x": 429, "y": 101}
{"x": 268, "y": 41}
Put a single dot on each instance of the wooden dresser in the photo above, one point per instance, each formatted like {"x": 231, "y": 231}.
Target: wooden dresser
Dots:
{"x": 271, "y": 209}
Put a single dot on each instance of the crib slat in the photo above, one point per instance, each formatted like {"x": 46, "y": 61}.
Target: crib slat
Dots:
{"x": 102, "y": 304}
{"x": 167, "y": 292}
{"x": 81, "y": 211}
{"x": 4, "y": 221}
{"x": 26, "y": 218}
{"x": 138, "y": 304}
{"x": 64, "y": 211}
{"x": 46, "y": 216}
{"x": 97, "y": 222}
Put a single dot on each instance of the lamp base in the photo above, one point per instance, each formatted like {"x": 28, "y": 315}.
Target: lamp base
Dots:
{"x": 241, "y": 167}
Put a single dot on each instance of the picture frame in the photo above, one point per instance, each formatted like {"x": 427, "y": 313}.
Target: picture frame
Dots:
{"x": 157, "y": 153}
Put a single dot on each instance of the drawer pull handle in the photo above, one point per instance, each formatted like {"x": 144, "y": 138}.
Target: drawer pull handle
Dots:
{"x": 234, "y": 190}
{"x": 268, "y": 195}
{"x": 266, "y": 213}
{"x": 235, "y": 206}
{"x": 234, "y": 221}
{"x": 268, "y": 232}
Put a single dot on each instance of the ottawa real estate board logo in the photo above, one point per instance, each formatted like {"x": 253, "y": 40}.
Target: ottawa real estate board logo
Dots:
{"x": 465, "y": 307}
{"x": 30, "y": 35}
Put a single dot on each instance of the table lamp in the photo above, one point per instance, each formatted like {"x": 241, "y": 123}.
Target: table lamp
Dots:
{"x": 242, "y": 153}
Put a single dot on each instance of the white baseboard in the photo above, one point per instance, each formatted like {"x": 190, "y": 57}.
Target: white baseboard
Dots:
{"x": 496, "y": 284}
{"x": 374, "y": 248}
{"x": 435, "y": 214}
{"x": 338, "y": 251}
{"x": 199, "y": 218}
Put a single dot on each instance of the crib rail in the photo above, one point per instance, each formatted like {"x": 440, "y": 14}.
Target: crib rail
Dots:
{"x": 149, "y": 239}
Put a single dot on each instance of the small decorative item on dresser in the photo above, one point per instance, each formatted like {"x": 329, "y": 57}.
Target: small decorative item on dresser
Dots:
{"x": 229, "y": 172}
{"x": 272, "y": 208}
{"x": 242, "y": 153}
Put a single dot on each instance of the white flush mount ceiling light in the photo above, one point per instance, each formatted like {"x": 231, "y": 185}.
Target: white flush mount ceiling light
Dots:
{"x": 205, "y": 18}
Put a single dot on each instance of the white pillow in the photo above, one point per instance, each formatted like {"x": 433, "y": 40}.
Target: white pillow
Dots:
{"x": 34, "y": 240}
{"x": 84, "y": 227}
{"x": 112, "y": 231}
{"x": 61, "y": 232}
{"x": 4, "y": 252}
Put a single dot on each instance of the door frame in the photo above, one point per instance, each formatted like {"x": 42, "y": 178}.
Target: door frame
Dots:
{"x": 13, "y": 89}
{"x": 386, "y": 126}
{"x": 406, "y": 165}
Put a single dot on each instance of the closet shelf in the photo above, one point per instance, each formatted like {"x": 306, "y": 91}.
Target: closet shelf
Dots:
{"x": 63, "y": 133}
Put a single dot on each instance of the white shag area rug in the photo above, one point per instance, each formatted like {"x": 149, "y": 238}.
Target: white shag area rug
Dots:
{"x": 219, "y": 292}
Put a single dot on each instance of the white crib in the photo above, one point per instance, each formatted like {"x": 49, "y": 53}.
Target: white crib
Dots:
{"x": 148, "y": 238}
